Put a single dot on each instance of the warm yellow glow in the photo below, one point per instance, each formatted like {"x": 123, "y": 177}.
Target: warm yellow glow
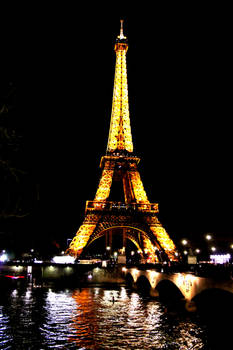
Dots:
{"x": 153, "y": 276}
{"x": 138, "y": 189}
{"x": 184, "y": 242}
{"x": 104, "y": 185}
{"x": 119, "y": 165}
{"x": 120, "y": 137}
{"x": 150, "y": 250}
{"x": 165, "y": 241}
{"x": 135, "y": 273}
{"x": 185, "y": 282}
{"x": 81, "y": 239}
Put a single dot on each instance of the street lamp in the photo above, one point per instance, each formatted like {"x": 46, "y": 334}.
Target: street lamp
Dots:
{"x": 184, "y": 241}
{"x": 213, "y": 249}
{"x": 208, "y": 237}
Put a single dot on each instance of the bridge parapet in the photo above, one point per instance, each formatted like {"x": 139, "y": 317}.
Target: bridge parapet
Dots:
{"x": 188, "y": 284}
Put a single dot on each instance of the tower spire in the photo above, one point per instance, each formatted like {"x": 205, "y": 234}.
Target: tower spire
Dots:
{"x": 121, "y": 36}
{"x": 120, "y": 137}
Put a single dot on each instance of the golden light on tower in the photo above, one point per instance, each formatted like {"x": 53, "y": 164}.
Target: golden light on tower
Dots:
{"x": 120, "y": 164}
{"x": 120, "y": 137}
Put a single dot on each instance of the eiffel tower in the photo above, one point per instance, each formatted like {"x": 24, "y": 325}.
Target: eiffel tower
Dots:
{"x": 134, "y": 215}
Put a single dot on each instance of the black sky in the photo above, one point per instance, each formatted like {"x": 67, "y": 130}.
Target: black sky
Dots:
{"x": 179, "y": 75}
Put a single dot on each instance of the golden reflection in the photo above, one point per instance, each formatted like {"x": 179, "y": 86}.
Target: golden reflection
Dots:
{"x": 117, "y": 318}
{"x": 84, "y": 321}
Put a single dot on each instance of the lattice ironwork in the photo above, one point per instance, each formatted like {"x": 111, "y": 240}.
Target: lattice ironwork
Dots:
{"x": 120, "y": 164}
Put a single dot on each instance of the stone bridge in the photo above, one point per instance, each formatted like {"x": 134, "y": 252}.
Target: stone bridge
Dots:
{"x": 184, "y": 285}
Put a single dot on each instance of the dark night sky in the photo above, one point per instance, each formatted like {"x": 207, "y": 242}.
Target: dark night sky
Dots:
{"x": 179, "y": 76}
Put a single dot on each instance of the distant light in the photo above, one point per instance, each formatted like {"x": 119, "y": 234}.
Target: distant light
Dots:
{"x": 108, "y": 248}
{"x": 3, "y": 257}
{"x": 197, "y": 250}
{"x": 38, "y": 261}
{"x": 64, "y": 259}
{"x": 220, "y": 258}
{"x": 208, "y": 237}
{"x": 231, "y": 246}
{"x": 213, "y": 249}
{"x": 184, "y": 241}
{"x": 185, "y": 252}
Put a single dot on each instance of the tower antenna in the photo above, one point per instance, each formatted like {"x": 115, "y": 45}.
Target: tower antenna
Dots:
{"x": 121, "y": 36}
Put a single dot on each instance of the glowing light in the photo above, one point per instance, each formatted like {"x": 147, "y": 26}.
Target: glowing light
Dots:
{"x": 208, "y": 237}
{"x": 185, "y": 252}
{"x": 165, "y": 241}
{"x": 120, "y": 137}
{"x": 104, "y": 185}
{"x": 184, "y": 242}
{"x": 197, "y": 251}
{"x": 81, "y": 239}
{"x": 119, "y": 141}
{"x": 38, "y": 261}
{"x": 213, "y": 249}
{"x": 63, "y": 259}
{"x": 3, "y": 257}
{"x": 139, "y": 191}
{"x": 220, "y": 258}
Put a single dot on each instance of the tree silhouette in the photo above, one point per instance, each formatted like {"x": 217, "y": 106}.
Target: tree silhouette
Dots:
{"x": 16, "y": 187}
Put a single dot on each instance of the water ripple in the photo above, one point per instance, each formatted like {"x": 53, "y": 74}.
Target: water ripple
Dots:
{"x": 93, "y": 318}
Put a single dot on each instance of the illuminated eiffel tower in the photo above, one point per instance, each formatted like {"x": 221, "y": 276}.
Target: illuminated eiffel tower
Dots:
{"x": 135, "y": 215}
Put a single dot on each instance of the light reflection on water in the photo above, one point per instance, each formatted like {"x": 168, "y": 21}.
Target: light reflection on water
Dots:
{"x": 93, "y": 318}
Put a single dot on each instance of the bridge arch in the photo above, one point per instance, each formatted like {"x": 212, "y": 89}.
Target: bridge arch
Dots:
{"x": 168, "y": 290}
{"x": 143, "y": 285}
{"x": 214, "y": 300}
{"x": 129, "y": 280}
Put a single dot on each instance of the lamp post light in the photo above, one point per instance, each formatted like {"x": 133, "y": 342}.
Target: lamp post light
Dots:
{"x": 208, "y": 237}
{"x": 184, "y": 241}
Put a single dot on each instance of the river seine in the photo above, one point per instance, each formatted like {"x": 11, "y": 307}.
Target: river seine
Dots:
{"x": 96, "y": 318}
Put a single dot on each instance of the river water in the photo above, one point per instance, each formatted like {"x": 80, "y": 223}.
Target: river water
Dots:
{"x": 95, "y": 318}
